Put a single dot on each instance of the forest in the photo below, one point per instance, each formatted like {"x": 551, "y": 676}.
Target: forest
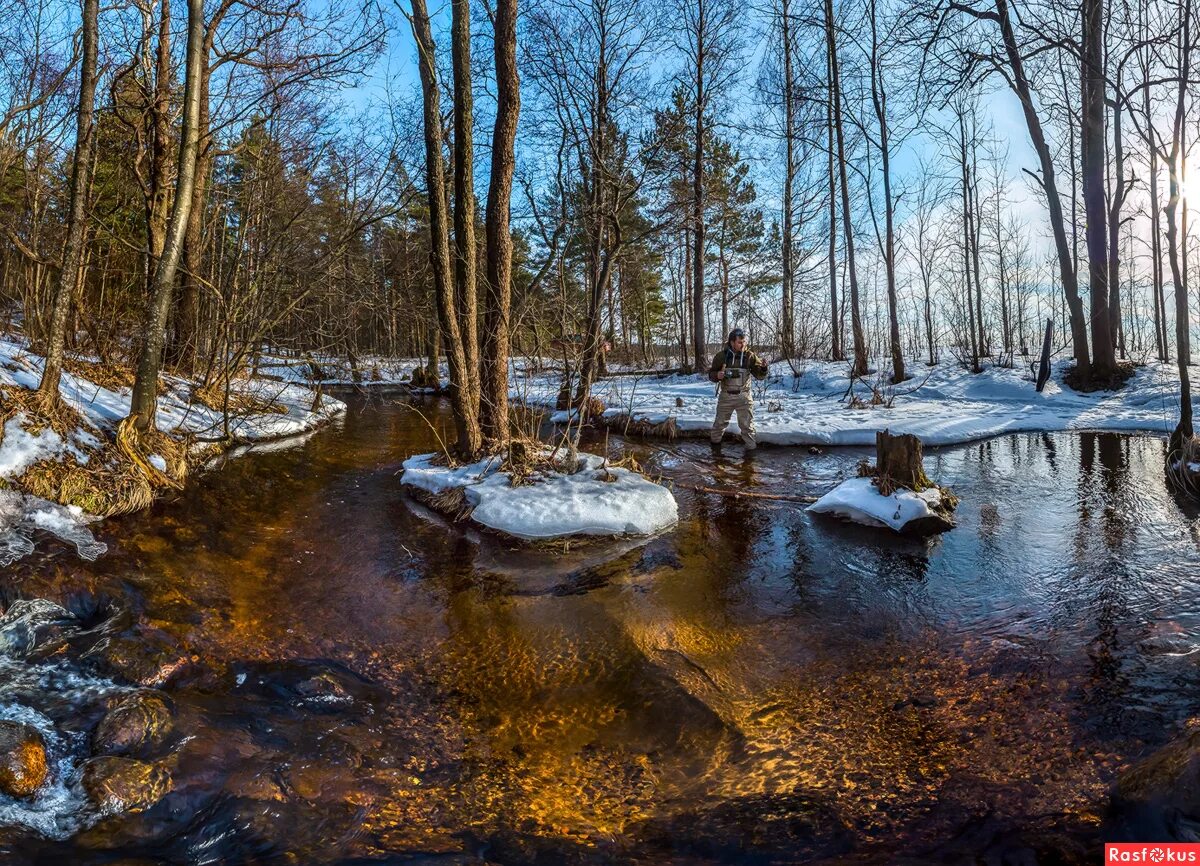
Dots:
{"x": 186, "y": 187}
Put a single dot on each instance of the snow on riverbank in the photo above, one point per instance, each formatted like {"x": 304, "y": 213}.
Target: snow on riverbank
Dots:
{"x": 942, "y": 405}
{"x": 594, "y": 500}
{"x": 282, "y": 410}
{"x": 330, "y": 371}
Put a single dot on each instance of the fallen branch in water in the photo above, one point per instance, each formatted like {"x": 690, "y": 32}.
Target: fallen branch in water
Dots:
{"x": 737, "y": 494}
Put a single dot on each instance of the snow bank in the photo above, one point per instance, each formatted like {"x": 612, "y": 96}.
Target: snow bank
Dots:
{"x": 943, "y": 405}
{"x": 101, "y": 410}
{"x": 321, "y": 369}
{"x": 858, "y": 499}
{"x": 555, "y": 504}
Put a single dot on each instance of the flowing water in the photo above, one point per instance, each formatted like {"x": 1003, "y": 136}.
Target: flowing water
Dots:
{"x": 353, "y": 680}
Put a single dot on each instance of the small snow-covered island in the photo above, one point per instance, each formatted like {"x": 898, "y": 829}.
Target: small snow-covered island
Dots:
{"x": 894, "y": 493}
{"x": 562, "y": 495}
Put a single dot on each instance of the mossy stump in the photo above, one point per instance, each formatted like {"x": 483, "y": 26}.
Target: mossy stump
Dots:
{"x": 899, "y": 462}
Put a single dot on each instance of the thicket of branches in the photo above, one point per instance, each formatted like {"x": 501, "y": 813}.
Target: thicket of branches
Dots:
{"x": 888, "y": 179}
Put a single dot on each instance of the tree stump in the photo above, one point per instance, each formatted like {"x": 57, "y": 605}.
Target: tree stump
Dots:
{"x": 899, "y": 462}
{"x": 1043, "y": 375}
{"x": 899, "y": 465}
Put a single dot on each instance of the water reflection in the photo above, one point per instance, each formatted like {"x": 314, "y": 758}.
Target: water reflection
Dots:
{"x": 756, "y": 684}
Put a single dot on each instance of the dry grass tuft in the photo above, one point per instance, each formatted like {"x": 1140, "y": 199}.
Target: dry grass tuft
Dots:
{"x": 114, "y": 377}
{"x": 98, "y": 488}
{"x": 451, "y": 503}
{"x": 139, "y": 446}
{"x": 1183, "y": 467}
{"x": 524, "y": 460}
{"x": 38, "y": 414}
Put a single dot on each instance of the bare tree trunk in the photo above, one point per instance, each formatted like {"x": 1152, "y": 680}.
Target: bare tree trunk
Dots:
{"x": 465, "y": 250}
{"x": 975, "y": 221}
{"x": 465, "y": 420}
{"x": 699, "y": 343}
{"x": 184, "y": 347}
{"x": 967, "y": 237}
{"x": 1116, "y": 202}
{"x": 787, "y": 337}
{"x": 144, "y": 403}
{"x": 81, "y": 169}
{"x": 860, "y": 347}
{"x": 879, "y": 101}
{"x": 1020, "y": 85}
{"x": 1104, "y": 361}
{"x": 1183, "y": 430}
{"x": 158, "y": 192}
{"x": 837, "y": 353}
{"x": 494, "y": 398}
{"x": 1156, "y": 267}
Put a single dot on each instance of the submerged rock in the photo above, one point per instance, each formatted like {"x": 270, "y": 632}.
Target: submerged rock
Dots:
{"x": 137, "y": 724}
{"x": 22, "y": 759}
{"x": 32, "y": 627}
{"x": 1159, "y": 797}
{"x": 115, "y": 784}
{"x": 324, "y": 687}
{"x": 143, "y": 656}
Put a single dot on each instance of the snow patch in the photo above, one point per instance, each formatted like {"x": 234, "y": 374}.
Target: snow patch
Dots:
{"x": 20, "y": 449}
{"x": 556, "y": 504}
{"x": 859, "y": 500}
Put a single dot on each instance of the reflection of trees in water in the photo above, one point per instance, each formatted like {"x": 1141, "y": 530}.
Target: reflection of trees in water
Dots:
{"x": 1104, "y": 482}
{"x": 1101, "y": 575}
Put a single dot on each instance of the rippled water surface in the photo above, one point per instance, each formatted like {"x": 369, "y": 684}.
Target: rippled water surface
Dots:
{"x": 759, "y": 685}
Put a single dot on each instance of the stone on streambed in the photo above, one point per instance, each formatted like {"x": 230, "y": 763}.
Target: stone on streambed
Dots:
{"x": 143, "y": 656}
{"x": 22, "y": 759}
{"x": 139, "y": 723}
{"x": 1159, "y": 797}
{"x": 114, "y": 784}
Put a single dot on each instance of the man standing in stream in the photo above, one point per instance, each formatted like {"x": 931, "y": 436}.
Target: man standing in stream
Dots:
{"x": 731, "y": 369}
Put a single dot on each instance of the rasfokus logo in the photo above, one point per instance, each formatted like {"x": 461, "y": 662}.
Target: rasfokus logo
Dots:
{"x": 1152, "y": 852}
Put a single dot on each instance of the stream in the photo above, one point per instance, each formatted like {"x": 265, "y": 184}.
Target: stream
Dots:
{"x": 352, "y": 680}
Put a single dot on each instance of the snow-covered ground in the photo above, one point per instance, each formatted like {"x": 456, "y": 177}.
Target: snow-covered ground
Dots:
{"x": 101, "y": 410}
{"x": 942, "y": 405}
{"x": 328, "y": 370}
{"x": 593, "y": 500}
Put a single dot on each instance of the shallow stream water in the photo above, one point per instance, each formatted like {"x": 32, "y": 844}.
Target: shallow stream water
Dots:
{"x": 355, "y": 681}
